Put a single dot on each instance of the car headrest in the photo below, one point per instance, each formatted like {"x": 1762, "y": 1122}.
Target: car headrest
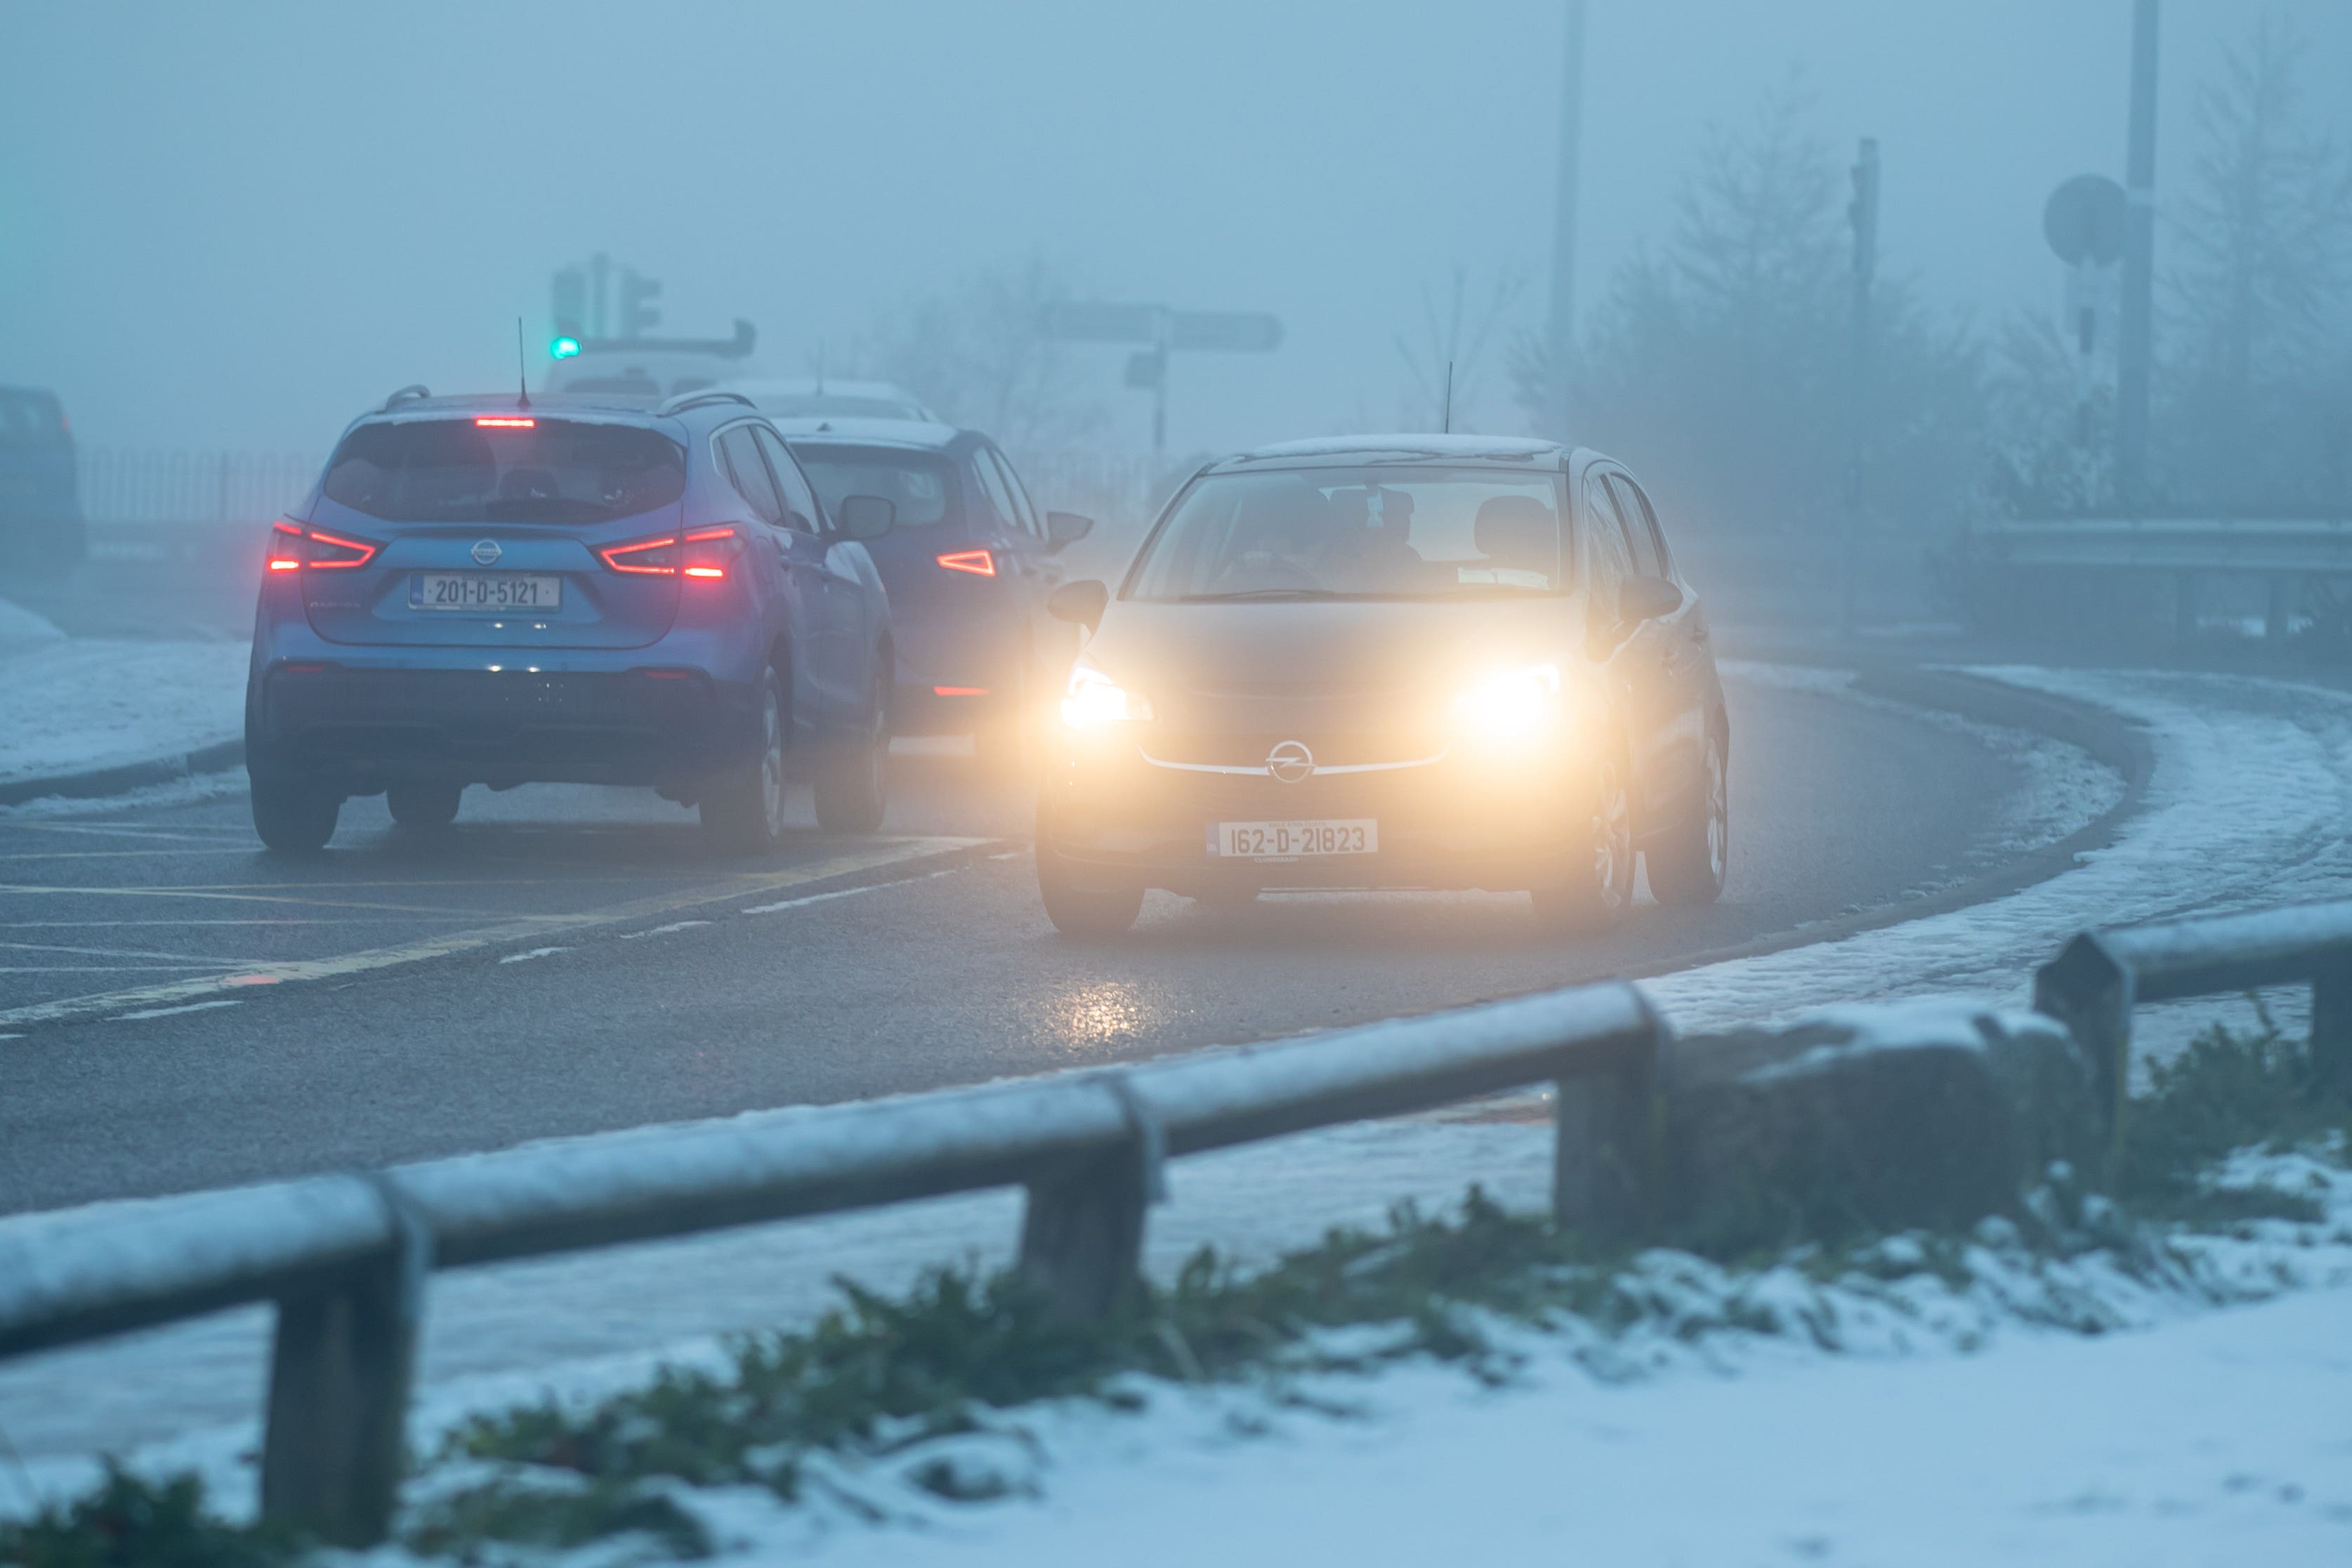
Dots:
{"x": 1518, "y": 529}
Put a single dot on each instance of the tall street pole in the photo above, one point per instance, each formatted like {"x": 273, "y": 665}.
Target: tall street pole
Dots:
{"x": 1863, "y": 211}
{"x": 1560, "y": 339}
{"x": 2136, "y": 327}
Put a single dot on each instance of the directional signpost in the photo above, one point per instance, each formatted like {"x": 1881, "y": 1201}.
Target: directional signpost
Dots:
{"x": 1166, "y": 331}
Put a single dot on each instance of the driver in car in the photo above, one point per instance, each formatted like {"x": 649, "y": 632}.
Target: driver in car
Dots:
{"x": 1368, "y": 550}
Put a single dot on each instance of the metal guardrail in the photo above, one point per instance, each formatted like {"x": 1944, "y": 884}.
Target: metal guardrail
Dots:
{"x": 346, "y": 1258}
{"x": 2099, "y": 977}
{"x": 2299, "y": 564}
{"x": 2209, "y": 544}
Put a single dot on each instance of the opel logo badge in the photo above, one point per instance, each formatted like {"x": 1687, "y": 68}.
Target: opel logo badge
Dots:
{"x": 1290, "y": 762}
{"x": 486, "y": 552}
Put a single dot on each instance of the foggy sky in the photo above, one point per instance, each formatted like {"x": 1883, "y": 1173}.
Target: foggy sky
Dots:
{"x": 234, "y": 225}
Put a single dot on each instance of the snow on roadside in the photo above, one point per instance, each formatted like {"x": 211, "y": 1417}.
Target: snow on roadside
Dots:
{"x": 22, "y": 629}
{"x": 73, "y": 703}
{"x": 2245, "y": 808}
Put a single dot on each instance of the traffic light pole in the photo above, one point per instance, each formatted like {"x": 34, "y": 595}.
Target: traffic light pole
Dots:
{"x": 1865, "y": 216}
{"x": 1559, "y": 339}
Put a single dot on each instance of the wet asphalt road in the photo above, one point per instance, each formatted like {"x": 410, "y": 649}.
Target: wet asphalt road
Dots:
{"x": 179, "y": 1010}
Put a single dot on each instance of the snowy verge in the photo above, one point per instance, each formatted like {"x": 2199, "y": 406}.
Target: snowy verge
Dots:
{"x": 76, "y": 706}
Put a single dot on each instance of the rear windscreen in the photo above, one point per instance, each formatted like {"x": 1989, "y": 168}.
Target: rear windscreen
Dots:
{"x": 920, "y": 486}
{"x": 557, "y": 471}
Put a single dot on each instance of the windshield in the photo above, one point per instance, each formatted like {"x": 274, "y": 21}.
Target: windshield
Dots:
{"x": 1382, "y": 531}
{"x": 558, "y": 471}
{"x": 920, "y": 486}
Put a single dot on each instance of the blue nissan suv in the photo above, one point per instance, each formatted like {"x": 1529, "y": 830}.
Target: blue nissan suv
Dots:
{"x": 489, "y": 591}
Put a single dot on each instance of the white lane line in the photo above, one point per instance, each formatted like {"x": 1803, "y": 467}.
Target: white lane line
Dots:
{"x": 1012, "y": 855}
{"x": 172, "y": 1012}
{"x": 113, "y": 854}
{"x": 124, "y": 953}
{"x": 534, "y": 953}
{"x": 849, "y": 892}
{"x": 508, "y": 931}
{"x": 663, "y": 930}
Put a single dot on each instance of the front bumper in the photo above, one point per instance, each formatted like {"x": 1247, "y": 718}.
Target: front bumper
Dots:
{"x": 1453, "y": 820}
{"x": 365, "y": 727}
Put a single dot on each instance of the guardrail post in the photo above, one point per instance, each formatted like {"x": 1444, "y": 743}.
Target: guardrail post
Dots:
{"x": 2331, "y": 1027}
{"x": 2088, "y": 991}
{"x": 1082, "y": 1231}
{"x": 1604, "y": 1157}
{"x": 339, "y": 1373}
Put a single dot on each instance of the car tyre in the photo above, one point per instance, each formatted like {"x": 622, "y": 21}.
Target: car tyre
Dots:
{"x": 423, "y": 804}
{"x": 1596, "y": 884}
{"x": 1688, "y": 865}
{"x": 293, "y": 815}
{"x": 1084, "y": 905}
{"x": 853, "y": 778}
{"x": 744, "y": 806}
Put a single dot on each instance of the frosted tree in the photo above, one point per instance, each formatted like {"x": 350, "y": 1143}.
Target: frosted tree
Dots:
{"x": 2259, "y": 331}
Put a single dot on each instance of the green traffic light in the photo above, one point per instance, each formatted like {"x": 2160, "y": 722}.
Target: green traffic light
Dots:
{"x": 564, "y": 347}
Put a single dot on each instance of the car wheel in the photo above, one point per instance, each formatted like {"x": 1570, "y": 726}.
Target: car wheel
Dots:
{"x": 743, "y": 807}
{"x": 853, "y": 780}
{"x": 1596, "y": 883}
{"x": 294, "y": 815}
{"x": 1084, "y": 905}
{"x": 1688, "y": 865}
{"x": 422, "y": 803}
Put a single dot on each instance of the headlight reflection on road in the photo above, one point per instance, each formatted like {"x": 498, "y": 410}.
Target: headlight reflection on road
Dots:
{"x": 1105, "y": 1013}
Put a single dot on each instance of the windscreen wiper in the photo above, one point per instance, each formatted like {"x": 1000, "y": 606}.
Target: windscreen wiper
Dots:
{"x": 1261, "y": 593}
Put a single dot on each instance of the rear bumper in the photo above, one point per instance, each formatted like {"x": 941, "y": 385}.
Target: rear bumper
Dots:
{"x": 364, "y": 726}
{"x": 1452, "y": 822}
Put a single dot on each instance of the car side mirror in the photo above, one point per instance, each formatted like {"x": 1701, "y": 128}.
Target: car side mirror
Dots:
{"x": 1644, "y": 598}
{"x": 865, "y": 516}
{"x": 1067, "y": 529}
{"x": 1081, "y": 603}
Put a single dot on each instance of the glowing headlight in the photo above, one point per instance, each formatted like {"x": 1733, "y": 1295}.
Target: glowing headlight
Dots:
{"x": 1510, "y": 707}
{"x": 1094, "y": 699}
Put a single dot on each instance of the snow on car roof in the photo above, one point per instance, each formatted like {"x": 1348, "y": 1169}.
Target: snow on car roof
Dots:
{"x": 809, "y": 386}
{"x": 1405, "y": 444}
{"x": 849, "y": 431}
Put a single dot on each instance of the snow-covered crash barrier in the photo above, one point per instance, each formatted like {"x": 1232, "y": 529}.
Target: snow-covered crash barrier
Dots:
{"x": 1870, "y": 1119}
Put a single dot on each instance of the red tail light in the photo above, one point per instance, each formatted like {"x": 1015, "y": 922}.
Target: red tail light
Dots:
{"x": 978, "y": 562}
{"x": 293, "y": 547}
{"x": 701, "y": 553}
{"x": 505, "y": 421}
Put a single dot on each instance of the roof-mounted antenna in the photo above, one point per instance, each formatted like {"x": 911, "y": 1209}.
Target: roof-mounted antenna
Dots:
{"x": 522, "y": 369}
{"x": 1449, "y": 397}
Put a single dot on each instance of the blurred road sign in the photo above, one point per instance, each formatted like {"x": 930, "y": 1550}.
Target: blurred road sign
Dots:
{"x": 1211, "y": 331}
{"x": 1095, "y": 321}
{"x": 1225, "y": 332}
{"x": 2085, "y": 220}
{"x": 1146, "y": 369}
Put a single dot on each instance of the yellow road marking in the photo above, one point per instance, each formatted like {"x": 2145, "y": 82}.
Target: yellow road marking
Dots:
{"x": 868, "y": 857}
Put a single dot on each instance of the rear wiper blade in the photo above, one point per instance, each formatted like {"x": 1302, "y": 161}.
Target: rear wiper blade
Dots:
{"x": 1260, "y": 593}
